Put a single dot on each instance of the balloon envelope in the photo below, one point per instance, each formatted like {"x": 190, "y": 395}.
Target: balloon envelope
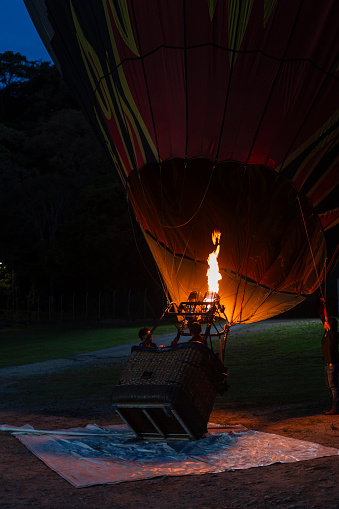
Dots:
{"x": 218, "y": 115}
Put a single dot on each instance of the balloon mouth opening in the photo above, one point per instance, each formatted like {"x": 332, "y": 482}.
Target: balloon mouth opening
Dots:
{"x": 266, "y": 230}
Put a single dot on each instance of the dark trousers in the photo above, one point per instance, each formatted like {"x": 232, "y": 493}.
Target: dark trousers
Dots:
{"x": 331, "y": 379}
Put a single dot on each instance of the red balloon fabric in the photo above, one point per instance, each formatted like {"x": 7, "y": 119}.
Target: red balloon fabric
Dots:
{"x": 217, "y": 115}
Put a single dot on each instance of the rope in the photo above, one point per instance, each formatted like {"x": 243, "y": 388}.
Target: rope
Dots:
{"x": 246, "y": 256}
{"x": 308, "y": 114}
{"x": 186, "y": 109}
{"x": 228, "y": 89}
{"x": 310, "y": 246}
{"x": 199, "y": 207}
{"x": 333, "y": 258}
{"x": 125, "y": 123}
{"x": 228, "y": 50}
{"x": 162, "y": 286}
{"x": 275, "y": 81}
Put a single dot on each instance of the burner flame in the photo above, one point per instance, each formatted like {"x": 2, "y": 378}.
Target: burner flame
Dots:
{"x": 213, "y": 274}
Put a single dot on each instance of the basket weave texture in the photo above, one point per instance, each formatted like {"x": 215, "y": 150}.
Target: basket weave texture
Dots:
{"x": 190, "y": 368}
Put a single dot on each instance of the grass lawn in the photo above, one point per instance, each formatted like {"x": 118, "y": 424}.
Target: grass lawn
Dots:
{"x": 34, "y": 343}
{"x": 278, "y": 364}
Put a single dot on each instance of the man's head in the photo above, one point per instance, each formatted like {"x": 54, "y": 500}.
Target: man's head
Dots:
{"x": 195, "y": 328}
{"x": 143, "y": 333}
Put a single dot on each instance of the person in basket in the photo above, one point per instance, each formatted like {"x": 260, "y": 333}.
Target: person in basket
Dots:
{"x": 146, "y": 338}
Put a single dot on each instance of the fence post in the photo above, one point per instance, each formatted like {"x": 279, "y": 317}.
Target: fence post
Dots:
{"x": 28, "y": 308}
{"x": 61, "y": 308}
{"x": 99, "y": 304}
{"x": 86, "y": 305}
{"x": 114, "y": 304}
{"x": 73, "y": 305}
{"x": 38, "y": 308}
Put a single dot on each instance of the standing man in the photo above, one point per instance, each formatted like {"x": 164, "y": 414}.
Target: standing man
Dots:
{"x": 329, "y": 344}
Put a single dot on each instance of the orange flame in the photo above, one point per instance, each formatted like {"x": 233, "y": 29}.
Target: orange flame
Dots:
{"x": 213, "y": 273}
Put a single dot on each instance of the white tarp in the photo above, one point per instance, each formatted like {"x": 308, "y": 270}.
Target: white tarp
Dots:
{"x": 95, "y": 455}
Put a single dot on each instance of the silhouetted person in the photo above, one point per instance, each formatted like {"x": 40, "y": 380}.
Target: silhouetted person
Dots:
{"x": 329, "y": 345}
{"x": 195, "y": 330}
{"x": 146, "y": 339}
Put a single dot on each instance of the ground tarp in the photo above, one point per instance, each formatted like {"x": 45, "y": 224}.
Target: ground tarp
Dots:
{"x": 95, "y": 455}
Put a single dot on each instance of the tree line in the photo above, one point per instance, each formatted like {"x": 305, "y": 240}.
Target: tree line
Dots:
{"x": 65, "y": 220}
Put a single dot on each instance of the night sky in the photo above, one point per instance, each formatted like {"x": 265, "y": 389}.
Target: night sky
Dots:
{"x": 17, "y": 32}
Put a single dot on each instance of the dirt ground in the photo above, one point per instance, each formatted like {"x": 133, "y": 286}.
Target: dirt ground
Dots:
{"x": 27, "y": 482}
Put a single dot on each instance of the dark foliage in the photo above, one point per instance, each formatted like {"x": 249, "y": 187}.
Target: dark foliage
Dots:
{"x": 65, "y": 224}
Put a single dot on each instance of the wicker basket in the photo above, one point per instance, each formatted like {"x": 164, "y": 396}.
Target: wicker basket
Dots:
{"x": 168, "y": 393}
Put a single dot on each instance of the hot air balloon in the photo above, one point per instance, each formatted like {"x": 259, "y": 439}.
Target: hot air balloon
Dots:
{"x": 217, "y": 115}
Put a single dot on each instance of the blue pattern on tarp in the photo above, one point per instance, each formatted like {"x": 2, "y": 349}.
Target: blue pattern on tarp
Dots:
{"x": 138, "y": 449}
{"x": 94, "y": 455}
